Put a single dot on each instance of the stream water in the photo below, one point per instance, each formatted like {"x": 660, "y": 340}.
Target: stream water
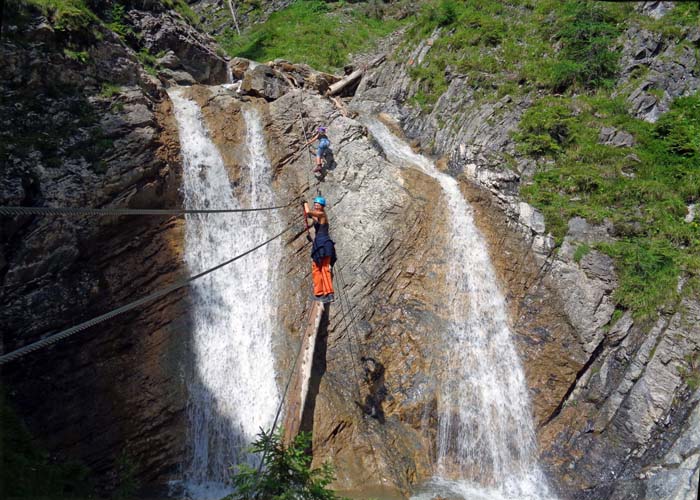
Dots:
{"x": 486, "y": 443}
{"x": 233, "y": 392}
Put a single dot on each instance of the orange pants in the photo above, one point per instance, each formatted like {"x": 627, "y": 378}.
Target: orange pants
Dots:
{"x": 323, "y": 281}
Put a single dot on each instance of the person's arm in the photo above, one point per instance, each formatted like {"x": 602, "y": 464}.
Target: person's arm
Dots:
{"x": 315, "y": 213}
{"x": 311, "y": 140}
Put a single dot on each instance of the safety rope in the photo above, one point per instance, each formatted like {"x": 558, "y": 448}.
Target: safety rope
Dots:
{"x": 353, "y": 359}
{"x": 11, "y": 211}
{"x": 353, "y": 321}
{"x": 11, "y": 356}
{"x": 286, "y": 390}
{"x": 306, "y": 139}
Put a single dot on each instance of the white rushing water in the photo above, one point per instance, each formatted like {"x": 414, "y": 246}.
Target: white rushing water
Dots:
{"x": 486, "y": 443}
{"x": 233, "y": 392}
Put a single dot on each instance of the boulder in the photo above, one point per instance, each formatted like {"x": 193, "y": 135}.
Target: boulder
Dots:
{"x": 263, "y": 81}
{"x": 613, "y": 137}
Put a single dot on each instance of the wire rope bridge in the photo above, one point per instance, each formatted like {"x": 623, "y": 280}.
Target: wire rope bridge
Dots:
{"x": 297, "y": 385}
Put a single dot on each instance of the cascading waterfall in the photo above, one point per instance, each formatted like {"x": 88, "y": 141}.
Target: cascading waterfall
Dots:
{"x": 486, "y": 443}
{"x": 233, "y": 392}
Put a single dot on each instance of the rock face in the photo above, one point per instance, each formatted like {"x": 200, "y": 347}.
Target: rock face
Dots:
{"x": 185, "y": 47}
{"x": 615, "y": 399}
{"x": 94, "y": 130}
{"x": 668, "y": 70}
{"x": 386, "y": 272}
{"x": 610, "y": 408}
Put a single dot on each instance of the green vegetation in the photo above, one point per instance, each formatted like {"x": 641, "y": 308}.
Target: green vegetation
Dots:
{"x": 691, "y": 373}
{"x": 520, "y": 44}
{"x": 115, "y": 18}
{"x": 149, "y": 61}
{"x": 581, "y": 251}
{"x": 182, "y": 8}
{"x": 642, "y": 190}
{"x": 26, "y": 471}
{"x": 309, "y": 31}
{"x": 286, "y": 474}
{"x": 109, "y": 90}
{"x": 66, "y": 15}
{"x": 77, "y": 55}
{"x": 586, "y": 32}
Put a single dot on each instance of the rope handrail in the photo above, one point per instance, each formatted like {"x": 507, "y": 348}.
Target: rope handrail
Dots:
{"x": 17, "y": 353}
{"x": 11, "y": 211}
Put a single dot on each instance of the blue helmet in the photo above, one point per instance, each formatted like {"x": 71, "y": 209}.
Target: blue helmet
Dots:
{"x": 320, "y": 200}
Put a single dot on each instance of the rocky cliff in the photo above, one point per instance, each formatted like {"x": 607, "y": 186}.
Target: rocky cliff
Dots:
{"x": 613, "y": 395}
{"x": 87, "y": 124}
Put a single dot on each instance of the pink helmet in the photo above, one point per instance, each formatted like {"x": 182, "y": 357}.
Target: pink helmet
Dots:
{"x": 321, "y": 130}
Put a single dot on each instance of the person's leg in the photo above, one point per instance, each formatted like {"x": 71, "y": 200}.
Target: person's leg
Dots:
{"x": 319, "y": 155}
{"x": 317, "y": 277}
{"x": 326, "y": 278}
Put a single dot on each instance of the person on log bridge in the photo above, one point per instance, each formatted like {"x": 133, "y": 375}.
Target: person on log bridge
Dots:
{"x": 322, "y": 252}
{"x": 323, "y": 144}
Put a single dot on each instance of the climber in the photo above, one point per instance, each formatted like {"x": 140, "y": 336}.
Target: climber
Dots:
{"x": 323, "y": 146}
{"x": 322, "y": 252}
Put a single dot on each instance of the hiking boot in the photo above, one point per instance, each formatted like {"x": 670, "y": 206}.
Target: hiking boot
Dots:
{"x": 317, "y": 170}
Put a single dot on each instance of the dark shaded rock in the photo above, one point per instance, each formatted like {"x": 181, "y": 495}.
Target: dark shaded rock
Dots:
{"x": 169, "y": 61}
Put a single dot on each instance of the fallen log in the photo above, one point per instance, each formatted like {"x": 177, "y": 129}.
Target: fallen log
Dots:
{"x": 354, "y": 76}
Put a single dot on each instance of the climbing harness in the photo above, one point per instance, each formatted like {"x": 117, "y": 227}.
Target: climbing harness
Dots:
{"x": 128, "y": 307}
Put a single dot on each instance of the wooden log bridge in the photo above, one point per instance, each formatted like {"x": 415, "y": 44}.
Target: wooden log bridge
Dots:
{"x": 299, "y": 387}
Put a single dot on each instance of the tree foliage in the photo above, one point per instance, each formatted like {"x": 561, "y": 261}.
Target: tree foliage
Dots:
{"x": 286, "y": 473}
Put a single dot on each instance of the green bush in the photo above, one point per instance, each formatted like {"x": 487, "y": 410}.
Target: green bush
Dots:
{"x": 66, "y": 15}
{"x": 545, "y": 128}
{"x": 586, "y": 31}
{"x": 286, "y": 473}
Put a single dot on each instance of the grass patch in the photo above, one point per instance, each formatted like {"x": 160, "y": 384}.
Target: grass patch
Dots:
{"x": 80, "y": 56}
{"x": 586, "y": 33}
{"x": 642, "y": 190}
{"x": 183, "y": 8}
{"x": 561, "y": 46}
{"x": 66, "y": 15}
{"x": 309, "y": 31}
{"x": 581, "y": 251}
{"x": 109, "y": 90}
{"x": 691, "y": 373}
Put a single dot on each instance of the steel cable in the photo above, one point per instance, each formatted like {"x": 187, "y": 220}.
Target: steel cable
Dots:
{"x": 286, "y": 390}
{"x": 11, "y": 356}
{"x": 12, "y": 211}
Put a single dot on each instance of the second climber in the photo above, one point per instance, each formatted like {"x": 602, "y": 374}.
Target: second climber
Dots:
{"x": 322, "y": 252}
{"x": 323, "y": 144}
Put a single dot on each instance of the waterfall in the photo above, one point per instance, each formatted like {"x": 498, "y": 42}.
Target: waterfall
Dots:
{"x": 232, "y": 393}
{"x": 486, "y": 442}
